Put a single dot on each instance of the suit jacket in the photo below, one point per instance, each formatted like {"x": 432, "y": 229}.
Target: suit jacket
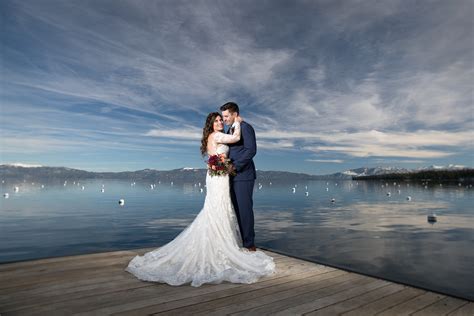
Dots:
{"x": 242, "y": 153}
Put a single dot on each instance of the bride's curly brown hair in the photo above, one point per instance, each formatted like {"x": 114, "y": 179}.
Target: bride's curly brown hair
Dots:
{"x": 208, "y": 129}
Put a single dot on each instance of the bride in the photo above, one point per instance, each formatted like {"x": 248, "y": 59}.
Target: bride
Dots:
{"x": 209, "y": 250}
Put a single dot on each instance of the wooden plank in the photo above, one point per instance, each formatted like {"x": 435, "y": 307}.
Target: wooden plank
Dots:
{"x": 23, "y": 284}
{"x": 115, "y": 298}
{"x": 33, "y": 263}
{"x": 385, "y": 303}
{"x": 64, "y": 287}
{"x": 413, "y": 305}
{"x": 305, "y": 305}
{"x": 205, "y": 304}
{"x": 97, "y": 284}
{"x": 31, "y": 302}
{"x": 465, "y": 310}
{"x": 246, "y": 303}
{"x": 45, "y": 270}
{"x": 442, "y": 307}
{"x": 141, "y": 306}
{"x": 74, "y": 290}
{"x": 358, "y": 301}
{"x": 19, "y": 282}
{"x": 54, "y": 278}
{"x": 69, "y": 287}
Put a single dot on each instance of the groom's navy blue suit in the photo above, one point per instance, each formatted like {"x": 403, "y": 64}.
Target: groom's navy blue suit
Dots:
{"x": 241, "y": 185}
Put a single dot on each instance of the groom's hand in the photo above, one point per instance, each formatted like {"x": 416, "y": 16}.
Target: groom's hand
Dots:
{"x": 232, "y": 170}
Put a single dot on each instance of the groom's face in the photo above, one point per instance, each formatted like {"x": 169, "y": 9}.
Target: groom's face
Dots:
{"x": 229, "y": 117}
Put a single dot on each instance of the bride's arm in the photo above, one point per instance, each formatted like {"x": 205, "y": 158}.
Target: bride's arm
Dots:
{"x": 222, "y": 138}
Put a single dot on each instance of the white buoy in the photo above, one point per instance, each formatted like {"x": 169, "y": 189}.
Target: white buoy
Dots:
{"x": 432, "y": 218}
{"x": 82, "y": 188}
{"x": 6, "y": 195}
{"x": 3, "y": 181}
{"x": 307, "y": 193}
{"x": 199, "y": 184}
{"x": 382, "y": 186}
{"x": 151, "y": 186}
{"x": 270, "y": 183}
{"x": 201, "y": 189}
{"x": 408, "y": 198}
{"x": 16, "y": 189}
{"x": 327, "y": 189}
{"x": 102, "y": 190}
{"x": 333, "y": 200}
{"x": 121, "y": 202}
{"x": 389, "y": 193}
{"x": 306, "y": 187}
{"x": 459, "y": 184}
{"x": 399, "y": 191}
{"x": 171, "y": 182}
{"x": 293, "y": 190}
{"x": 42, "y": 186}
{"x": 426, "y": 187}
{"x": 260, "y": 187}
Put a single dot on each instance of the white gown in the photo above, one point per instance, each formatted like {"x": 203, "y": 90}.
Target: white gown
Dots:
{"x": 209, "y": 250}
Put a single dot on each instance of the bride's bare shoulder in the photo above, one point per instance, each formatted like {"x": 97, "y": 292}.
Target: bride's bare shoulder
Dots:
{"x": 211, "y": 135}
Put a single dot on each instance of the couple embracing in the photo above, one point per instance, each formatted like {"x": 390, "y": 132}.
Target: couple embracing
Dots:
{"x": 219, "y": 244}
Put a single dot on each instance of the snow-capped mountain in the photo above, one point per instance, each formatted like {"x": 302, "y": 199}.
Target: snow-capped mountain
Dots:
{"x": 24, "y": 165}
{"x": 375, "y": 171}
{"x": 28, "y": 171}
{"x": 447, "y": 167}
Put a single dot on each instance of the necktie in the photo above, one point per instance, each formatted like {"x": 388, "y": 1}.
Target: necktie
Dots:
{"x": 231, "y": 131}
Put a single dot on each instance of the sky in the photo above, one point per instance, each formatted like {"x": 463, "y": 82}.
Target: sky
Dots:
{"x": 327, "y": 85}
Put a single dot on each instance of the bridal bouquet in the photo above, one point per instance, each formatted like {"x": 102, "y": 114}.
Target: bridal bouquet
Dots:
{"x": 219, "y": 165}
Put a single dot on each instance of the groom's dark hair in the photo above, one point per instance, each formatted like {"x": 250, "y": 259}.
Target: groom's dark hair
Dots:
{"x": 232, "y": 107}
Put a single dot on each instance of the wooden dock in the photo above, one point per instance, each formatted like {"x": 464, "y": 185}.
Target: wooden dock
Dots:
{"x": 96, "y": 284}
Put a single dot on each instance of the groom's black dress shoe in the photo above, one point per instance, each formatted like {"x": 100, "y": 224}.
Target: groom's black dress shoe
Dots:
{"x": 253, "y": 248}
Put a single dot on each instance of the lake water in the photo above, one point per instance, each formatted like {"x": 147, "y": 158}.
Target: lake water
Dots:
{"x": 363, "y": 230}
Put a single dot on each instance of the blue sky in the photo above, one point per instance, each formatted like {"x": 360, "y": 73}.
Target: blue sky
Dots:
{"x": 328, "y": 85}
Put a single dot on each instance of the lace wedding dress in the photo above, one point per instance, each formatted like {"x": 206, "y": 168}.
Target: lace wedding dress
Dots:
{"x": 209, "y": 250}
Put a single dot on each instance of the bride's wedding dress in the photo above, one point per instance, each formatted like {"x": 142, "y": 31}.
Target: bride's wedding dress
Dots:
{"x": 209, "y": 250}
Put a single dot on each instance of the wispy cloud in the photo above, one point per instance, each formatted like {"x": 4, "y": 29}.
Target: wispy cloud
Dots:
{"x": 176, "y": 134}
{"x": 326, "y": 160}
{"x": 339, "y": 80}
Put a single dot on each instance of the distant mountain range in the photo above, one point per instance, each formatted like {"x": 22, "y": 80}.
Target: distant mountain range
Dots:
{"x": 45, "y": 173}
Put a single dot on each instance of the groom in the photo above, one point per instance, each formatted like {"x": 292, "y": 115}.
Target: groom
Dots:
{"x": 241, "y": 185}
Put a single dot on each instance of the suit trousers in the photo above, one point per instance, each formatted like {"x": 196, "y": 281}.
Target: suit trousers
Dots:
{"x": 241, "y": 193}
